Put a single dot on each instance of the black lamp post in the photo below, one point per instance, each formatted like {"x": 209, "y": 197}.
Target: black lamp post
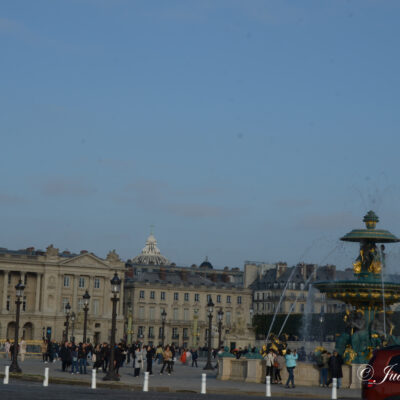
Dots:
{"x": 66, "y": 323}
{"x": 210, "y": 307}
{"x": 72, "y": 327}
{"x": 86, "y": 298}
{"x": 321, "y": 321}
{"x": 220, "y": 317}
{"x": 163, "y": 318}
{"x": 14, "y": 367}
{"x": 115, "y": 289}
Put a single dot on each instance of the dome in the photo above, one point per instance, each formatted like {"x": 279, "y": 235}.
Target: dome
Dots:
{"x": 150, "y": 254}
{"x": 206, "y": 264}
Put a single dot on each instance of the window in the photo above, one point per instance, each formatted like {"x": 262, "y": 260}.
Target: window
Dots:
{"x": 81, "y": 282}
{"x": 25, "y": 279}
{"x": 140, "y": 331}
{"x": 175, "y": 334}
{"x": 66, "y": 281}
{"x": 152, "y": 313}
{"x": 96, "y": 307}
{"x": 176, "y": 314}
{"x": 152, "y": 294}
{"x": 185, "y": 333}
{"x": 160, "y": 335}
{"x": 239, "y": 300}
{"x": 80, "y": 304}
{"x": 186, "y": 296}
{"x": 219, "y": 298}
{"x": 65, "y": 301}
{"x": 151, "y": 332}
{"x": 322, "y": 309}
{"x": 196, "y": 297}
{"x": 24, "y": 303}
{"x": 97, "y": 283}
{"x": 186, "y": 314}
{"x": 228, "y": 317}
{"x": 141, "y": 312}
{"x": 141, "y": 294}
{"x": 228, "y": 299}
{"x": 208, "y": 298}
{"x": 176, "y": 296}
{"x": 8, "y": 302}
{"x": 9, "y": 278}
{"x": 302, "y": 307}
{"x": 162, "y": 295}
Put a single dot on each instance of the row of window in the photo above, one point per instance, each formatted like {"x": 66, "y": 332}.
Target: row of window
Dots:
{"x": 81, "y": 282}
{"x": 9, "y": 300}
{"x": 174, "y": 333}
{"x": 94, "y": 305}
{"x": 176, "y": 315}
{"x": 186, "y": 297}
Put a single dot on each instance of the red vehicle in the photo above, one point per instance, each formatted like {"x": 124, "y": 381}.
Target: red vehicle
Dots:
{"x": 381, "y": 378}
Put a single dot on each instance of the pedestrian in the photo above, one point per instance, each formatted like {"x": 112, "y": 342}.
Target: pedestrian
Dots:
{"x": 65, "y": 356}
{"x": 44, "y": 351}
{"x": 149, "y": 359}
{"x": 82, "y": 358}
{"x": 335, "y": 368}
{"x": 74, "y": 357}
{"x": 195, "y": 356}
{"x": 323, "y": 365}
{"x": 167, "y": 360}
{"x": 22, "y": 346}
{"x": 279, "y": 365}
{"x": 7, "y": 346}
{"x": 269, "y": 362}
{"x": 138, "y": 361}
{"x": 290, "y": 366}
{"x": 118, "y": 358}
{"x": 159, "y": 353}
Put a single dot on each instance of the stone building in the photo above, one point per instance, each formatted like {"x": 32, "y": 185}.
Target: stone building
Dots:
{"x": 52, "y": 279}
{"x": 153, "y": 284}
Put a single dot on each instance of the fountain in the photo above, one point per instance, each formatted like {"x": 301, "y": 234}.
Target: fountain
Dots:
{"x": 369, "y": 296}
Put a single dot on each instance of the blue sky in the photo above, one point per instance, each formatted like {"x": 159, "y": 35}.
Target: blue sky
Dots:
{"x": 243, "y": 130}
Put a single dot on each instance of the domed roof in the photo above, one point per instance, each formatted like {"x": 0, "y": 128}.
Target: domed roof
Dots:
{"x": 150, "y": 254}
{"x": 206, "y": 264}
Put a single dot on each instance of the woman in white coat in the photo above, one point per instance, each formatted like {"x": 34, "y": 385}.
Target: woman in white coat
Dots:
{"x": 138, "y": 361}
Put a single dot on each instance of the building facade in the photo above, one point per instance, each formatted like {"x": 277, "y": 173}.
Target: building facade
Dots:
{"x": 156, "y": 285}
{"x": 53, "y": 279}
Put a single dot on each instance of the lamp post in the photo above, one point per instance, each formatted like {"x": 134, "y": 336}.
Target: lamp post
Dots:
{"x": 86, "y": 298}
{"x": 66, "y": 323}
{"x": 321, "y": 321}
{"x": 115, "y": 289}
{"x": 72, "y": 327}
{"x": 210, "y": 307}
{"x": 14, "y": 367}
{"x": 163, "y": 318}
{"x": 220, "y": 317}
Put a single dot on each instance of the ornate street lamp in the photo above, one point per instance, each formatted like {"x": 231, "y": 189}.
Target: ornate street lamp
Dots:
{"x": 210, "y": 309}
{"x": 86, "y": 298}
{"x": 115, "y": 289}
{"x": 20, "y": 294}
{"x": 73, "y": 327}
{"x": 66, "y": 323}
{"x": 163, "y": 318}
{"x": 220, "y": 317}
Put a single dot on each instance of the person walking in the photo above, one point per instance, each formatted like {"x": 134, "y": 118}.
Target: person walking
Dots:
{"x": 22, "y": 347}
{"x": 279, "y": 365}
{"x": 269, "y": 361}
{"x": 74, "y": 356}
{"x": 82, "y": 357}
{"x": 149, "y": 359}
{"x": 138, "y": 361}
{"x": 44, "y": 351}
{"x": 335, "y": 368}
{"x": 323, "y": 363}
{"x": 290, "y": 366}
{"x": 7, "y": 346}
{"x": 195, "y": 356}
{"x": 167, "y": 360}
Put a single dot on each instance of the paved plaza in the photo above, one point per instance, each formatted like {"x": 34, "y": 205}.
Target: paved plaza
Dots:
{"x": 185, "y": 381}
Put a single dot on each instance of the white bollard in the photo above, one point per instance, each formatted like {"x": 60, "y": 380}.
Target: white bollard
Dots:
{"x": 334, "y": 388}
{"x": 6, "y": 375}
{"x": 203, "y": 383}
{"x": 93, "y": 379}
{"x": 146, "y": 382}
{"x": 267, "y": 386}
{"x": 46, "y": 377}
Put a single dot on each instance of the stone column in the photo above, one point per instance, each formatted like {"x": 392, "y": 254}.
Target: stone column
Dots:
{"x": 5, "y": 286}
{"x": 121, "y": 298}
{"x": 38, "y": 292}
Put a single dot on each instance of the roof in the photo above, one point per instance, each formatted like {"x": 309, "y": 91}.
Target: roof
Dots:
{"x": 150, "y": 254}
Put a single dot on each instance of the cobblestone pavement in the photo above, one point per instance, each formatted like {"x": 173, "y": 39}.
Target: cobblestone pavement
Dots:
{"x": 184, "y": 379}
